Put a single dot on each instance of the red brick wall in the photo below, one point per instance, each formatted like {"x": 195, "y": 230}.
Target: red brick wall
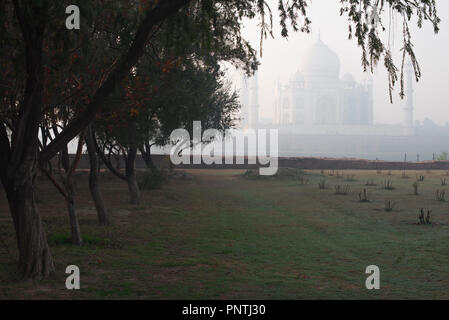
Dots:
{"x": 310, "y": 163}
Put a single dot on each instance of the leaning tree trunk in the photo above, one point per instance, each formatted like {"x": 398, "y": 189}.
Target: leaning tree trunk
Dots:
{"x": 133, "y": 187}
{"x": 70, "y": 190}
{"x": 93, "y": 179}
{"x": 146, "y": 156}
{"x": 35, "y": 260}
{"x": 19, "y": 154}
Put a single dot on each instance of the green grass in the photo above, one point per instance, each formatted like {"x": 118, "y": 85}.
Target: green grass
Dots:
{"x": 222, "y": 235}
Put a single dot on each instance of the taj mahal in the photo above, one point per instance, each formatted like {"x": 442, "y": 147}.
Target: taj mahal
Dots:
{"x": 316, "y": 96}
{"x": 318, "y": 112}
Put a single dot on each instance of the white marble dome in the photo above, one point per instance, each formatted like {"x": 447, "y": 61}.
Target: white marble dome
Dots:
{"x": 320, "y": 60}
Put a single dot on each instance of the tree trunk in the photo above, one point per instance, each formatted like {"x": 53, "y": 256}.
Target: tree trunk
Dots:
{"x": 146, "y": 156}
{"x": 73, "y": 217}
{"x": 35, "y": 260}
{"x": 133, "y": 187}
{"x": 70, "y": 193}
{"x": 93, "y": 179}
{"x": 19, "y": 155}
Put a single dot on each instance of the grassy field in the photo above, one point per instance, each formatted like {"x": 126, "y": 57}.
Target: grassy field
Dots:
{"x": 225, "y": 235}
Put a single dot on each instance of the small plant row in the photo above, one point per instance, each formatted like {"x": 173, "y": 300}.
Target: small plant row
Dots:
{"x": 389, "y": 205}
{"x": 363, "y": 196}
{"x": 440, "y": 195}
{"x": 342, "y": 190}
{"x": 424, "y": 219}
{"x": 387, "y": 185}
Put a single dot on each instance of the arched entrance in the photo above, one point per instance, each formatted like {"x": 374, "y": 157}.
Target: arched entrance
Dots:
{"x": 325, "y": 111}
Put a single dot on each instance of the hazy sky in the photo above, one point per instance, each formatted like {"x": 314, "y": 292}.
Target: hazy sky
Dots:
{"x": 282, "y": 57}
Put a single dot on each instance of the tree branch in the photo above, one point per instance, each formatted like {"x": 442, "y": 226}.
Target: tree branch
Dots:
{"x": 77, "y": 156}
{"x": 55, "y": 183}
{"x": 105, "y": 160}
{"x": 153, "y": 17}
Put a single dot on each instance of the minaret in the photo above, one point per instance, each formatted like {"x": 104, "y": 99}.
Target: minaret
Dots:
{"x": 244, "y": 100}
{"x": 278, "y": 105}
{"x": 408, "y": 109}
{"x": 254, "y": 103}
{"x": 370, "y": 88}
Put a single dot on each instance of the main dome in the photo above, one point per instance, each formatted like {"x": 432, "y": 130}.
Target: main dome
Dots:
{"x": 320, "y": 59}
